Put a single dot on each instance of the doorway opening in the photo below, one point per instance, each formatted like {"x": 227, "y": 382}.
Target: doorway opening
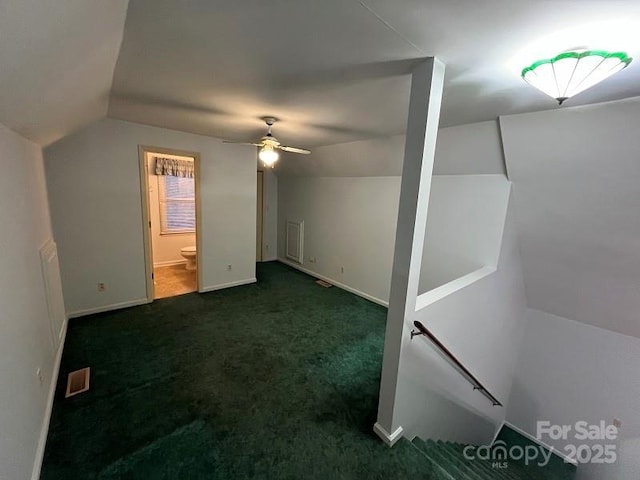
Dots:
{"x": 171, "y": 221}
{"x": 259, "y": 215}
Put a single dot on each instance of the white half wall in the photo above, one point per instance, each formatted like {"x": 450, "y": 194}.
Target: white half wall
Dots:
{"x": 482, "y": 324}
{"x": 350, "y": 222}
{"x": 569, "y": 372}
{"x": 465, "y": 224}
{"x": 94, "y": 191}
{"x": 25, "y": 334}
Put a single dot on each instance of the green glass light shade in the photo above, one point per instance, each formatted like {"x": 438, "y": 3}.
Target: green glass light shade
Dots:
{"x": 570, "y": 73}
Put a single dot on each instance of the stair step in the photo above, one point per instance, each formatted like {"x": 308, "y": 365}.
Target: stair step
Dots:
{"x": 449, "y": 457}
{"x": 441, "y": 471}
{"x": 431, "y": 449}
{"x": 513, "y": 471}
{"x": 483, "y": 466}
{"x": 477, "y": 472}
{"x": 457, "y": 462}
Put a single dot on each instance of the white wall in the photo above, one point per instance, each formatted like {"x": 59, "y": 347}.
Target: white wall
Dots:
{"x": 465, "y": 223}
{"x": 474, "y": 149}
{"x": 349, "y": 222}
{"x": 377, "y": 157}
{"x": 482, "y": 324}
{"x": 348, "y": 195}
{"x": 569, "y": 371}
{"x": 575, "y": 178}
{"x": 94, "y": 191}
{"x": 166, "y": 248}
{"x": 25, "y": 334}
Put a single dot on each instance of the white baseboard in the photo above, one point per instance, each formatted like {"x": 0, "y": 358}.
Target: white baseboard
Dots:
{"x": 107, "y": 308}
{"x": 169, "y": 263}
{"x": 371, "y": 298}
{"x": 44, "y": 431}
{"x": 389, "y": 438}
{"x": 228, "y": 285}
{"x": 541, "y": 443}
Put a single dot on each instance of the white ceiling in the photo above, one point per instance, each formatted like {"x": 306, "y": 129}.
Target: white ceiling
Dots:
{"x": 332, "y": 70}
{"x": 56, "y": 61}
{"x": 335, "y": 70}
{"x": 575, "y": 186}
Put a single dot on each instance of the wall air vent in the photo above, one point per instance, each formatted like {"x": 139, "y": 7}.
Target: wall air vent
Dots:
{"x": 77, "y": 382}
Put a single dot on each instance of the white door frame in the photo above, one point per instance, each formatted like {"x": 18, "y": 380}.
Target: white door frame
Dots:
{"x": 260, "y": 215}
{"x": 143, "y": 151}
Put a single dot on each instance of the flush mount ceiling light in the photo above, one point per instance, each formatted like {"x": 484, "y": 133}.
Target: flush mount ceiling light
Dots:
{"x": 570, "y": 73}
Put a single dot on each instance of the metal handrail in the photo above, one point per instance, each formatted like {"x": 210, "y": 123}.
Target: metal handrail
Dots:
{"x": 422, "y": 330}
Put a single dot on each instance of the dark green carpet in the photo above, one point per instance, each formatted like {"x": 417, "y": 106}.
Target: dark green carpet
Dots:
{"x": 277, "y": 380}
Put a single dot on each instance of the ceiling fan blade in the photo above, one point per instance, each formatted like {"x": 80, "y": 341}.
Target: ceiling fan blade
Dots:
{"x": 243, "y": 143}
{"x": 294, "y": 150}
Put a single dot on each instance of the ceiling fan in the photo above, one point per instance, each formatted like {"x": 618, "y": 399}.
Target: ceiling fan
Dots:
{"x": 269, "y": 145}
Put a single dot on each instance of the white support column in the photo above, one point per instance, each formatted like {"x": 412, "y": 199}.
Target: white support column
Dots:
{"x": 422, "y": 130}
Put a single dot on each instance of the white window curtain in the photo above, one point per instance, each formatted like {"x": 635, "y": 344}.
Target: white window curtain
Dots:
{"x": 176, "y": 195}
{"x": 174, "y": 167}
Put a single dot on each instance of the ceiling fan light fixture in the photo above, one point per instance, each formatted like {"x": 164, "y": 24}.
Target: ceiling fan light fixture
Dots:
{"x": 269, "y": 145}
{"x": 570, "y": 73}
{"x": 268, "y": 155}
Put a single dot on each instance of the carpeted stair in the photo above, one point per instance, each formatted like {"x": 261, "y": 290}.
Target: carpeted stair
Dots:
{"x": 448, "y": 461}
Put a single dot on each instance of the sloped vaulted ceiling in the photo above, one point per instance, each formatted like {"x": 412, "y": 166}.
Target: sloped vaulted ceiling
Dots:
{"x": 333, "y": 70}
{"x": 336, "y": 71}
{"x": 330, "y": 70}
{"x": 56, "y": 61}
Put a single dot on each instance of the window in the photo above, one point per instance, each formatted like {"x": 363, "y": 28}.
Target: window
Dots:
{"x": 177, "y": 204}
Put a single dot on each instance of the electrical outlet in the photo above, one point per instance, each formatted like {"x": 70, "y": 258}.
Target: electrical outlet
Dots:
{"x": 39, "y": 375}
{"x": 229, "y": 267}
{"x": 102, "y": 287}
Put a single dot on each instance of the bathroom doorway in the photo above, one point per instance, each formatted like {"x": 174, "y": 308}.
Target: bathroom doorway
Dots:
{"x": 171, "y": 221}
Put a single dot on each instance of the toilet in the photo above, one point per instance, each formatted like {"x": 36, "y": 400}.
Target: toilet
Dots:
{"x": 190, "y": 254}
